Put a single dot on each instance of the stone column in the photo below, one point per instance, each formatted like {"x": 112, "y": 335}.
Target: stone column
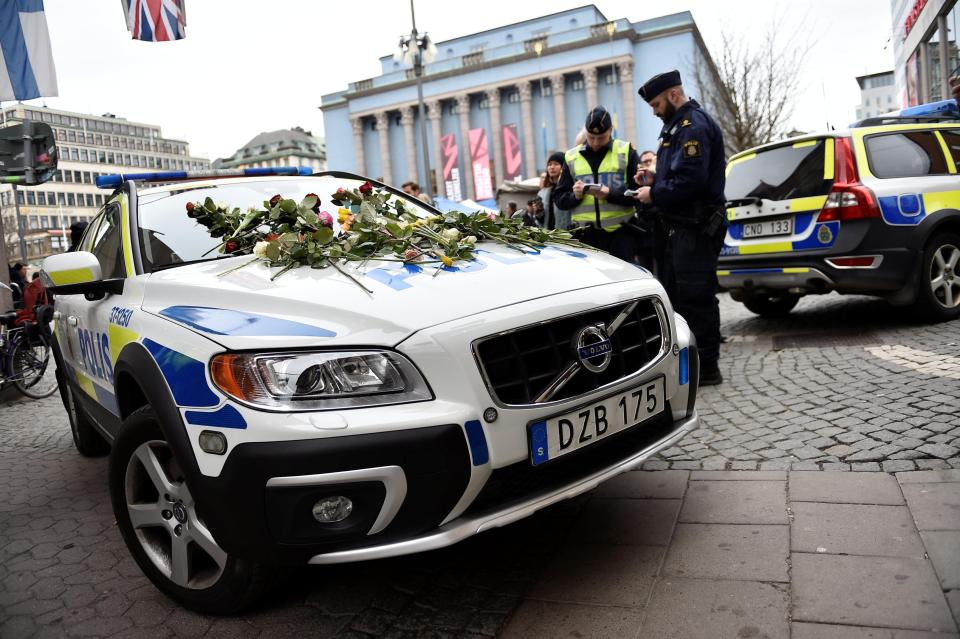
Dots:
{"x": 558, "y": 86}
{"x": 629, "y": 127}
{"x": 434, "y": 111}
{"x": 383, "y": 131}
{"x": 357, "y": 124}
{"x": 463, "y": 109}
{"x": 493, "y": 99}
{"x": 406, "y": 119}
{"x": 529, "y": 149}
{"x": 590, "y": 84}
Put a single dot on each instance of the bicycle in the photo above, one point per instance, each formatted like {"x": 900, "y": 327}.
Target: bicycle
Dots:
{"x": 25, "y": 354}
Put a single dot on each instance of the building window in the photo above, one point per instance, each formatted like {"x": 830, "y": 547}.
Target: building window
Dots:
{"x": 576, "y": 84}
{"x": 71, "y": 199}
{"x": 513, "y": 97}
{"x": 89, "y": 199}
{"x": 41, "y": 198}
{"x": 472, "y": 59}
{"x": 31, "y": 198}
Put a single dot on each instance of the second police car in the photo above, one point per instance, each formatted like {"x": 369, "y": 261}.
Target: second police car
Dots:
{"x": 254, "y": 422}
{"x": 873, "y": 210}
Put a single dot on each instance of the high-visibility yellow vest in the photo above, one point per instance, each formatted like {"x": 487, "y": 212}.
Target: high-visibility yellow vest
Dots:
{"x": 612, "y": 173}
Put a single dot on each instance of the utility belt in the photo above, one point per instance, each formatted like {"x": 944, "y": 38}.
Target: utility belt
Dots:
{"x": 708, "y": 218}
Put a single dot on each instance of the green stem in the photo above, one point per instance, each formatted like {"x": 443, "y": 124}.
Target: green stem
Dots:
{"x": 351, "y": 277}
{"x": 237, "y": 268}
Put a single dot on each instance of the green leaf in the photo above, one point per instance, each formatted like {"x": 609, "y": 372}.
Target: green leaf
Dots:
{"x": 394, "y": 229}
{"x": 288, "y": 206}
{"x": 310, "y": 218}
{"x": 309, "y": 202}
{"x": 324, "y": 235}
{"x": 209, "y": 205}
{"x": 273, "y": 251}
{"x": 289, "y": 239}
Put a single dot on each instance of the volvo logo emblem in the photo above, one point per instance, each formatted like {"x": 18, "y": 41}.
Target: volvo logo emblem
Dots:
{"x": 594, "y": 349}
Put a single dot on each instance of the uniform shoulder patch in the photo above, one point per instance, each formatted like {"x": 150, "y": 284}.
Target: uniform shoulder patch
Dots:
{"x": 691, "y": 149}
{"x": 686, "y": 123}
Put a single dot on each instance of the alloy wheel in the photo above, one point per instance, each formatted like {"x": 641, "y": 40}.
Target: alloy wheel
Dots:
{"x": 945, "y": 276}
{"x": 164, "y": 518}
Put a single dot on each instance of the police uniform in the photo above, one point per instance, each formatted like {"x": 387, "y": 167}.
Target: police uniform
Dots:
{"x": 605, "y": 223}
{"x": 688, "y": 191}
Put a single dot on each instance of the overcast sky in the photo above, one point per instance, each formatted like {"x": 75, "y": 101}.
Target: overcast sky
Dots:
{"x": 248, "y": 66}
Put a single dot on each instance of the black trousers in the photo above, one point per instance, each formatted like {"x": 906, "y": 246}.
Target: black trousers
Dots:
{"x": 620, "y": 243}
{"x": 689, "y": 273}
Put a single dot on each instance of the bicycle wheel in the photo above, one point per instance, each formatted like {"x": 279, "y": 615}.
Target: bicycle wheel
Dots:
{"x": 32, "y": 368}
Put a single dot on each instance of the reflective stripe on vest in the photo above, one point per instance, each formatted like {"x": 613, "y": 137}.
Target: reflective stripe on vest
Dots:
{"x": 612, "y": 173}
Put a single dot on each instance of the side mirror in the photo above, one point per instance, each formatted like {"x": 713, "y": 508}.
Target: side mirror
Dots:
{"x": 77, "y": 273}
{"x": 28, "y": 153}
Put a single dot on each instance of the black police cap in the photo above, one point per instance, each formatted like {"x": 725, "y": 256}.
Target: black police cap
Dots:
{"x": 658, "y": 84}
{"x": 598, "y": 120}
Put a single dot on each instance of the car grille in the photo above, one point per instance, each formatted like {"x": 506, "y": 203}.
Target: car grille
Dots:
{"x": 519, "y": 365}
{"x": 522, "y": 481}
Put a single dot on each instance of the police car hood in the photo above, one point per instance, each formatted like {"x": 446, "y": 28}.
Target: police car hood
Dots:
{"x": 242, "y": 308}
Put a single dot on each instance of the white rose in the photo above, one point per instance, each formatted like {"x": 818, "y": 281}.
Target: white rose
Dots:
{"x": 470, "y": 239}
{"x": 451, "y": 234}
{"x": 260, "y": 249}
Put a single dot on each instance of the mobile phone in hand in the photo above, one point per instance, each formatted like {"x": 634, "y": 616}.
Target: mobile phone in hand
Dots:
{"x": 592, "y": 187}
{"x": 630, "y": 193}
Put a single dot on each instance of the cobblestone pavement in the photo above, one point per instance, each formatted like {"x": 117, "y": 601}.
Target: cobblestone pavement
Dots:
{"x": 842, "y": 383}
{"x": 871, "y": 390}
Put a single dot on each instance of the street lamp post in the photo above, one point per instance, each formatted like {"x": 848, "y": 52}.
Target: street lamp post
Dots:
{"x": 418, "y": 50}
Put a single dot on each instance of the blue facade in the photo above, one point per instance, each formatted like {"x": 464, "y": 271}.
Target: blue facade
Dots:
{"x": 575, "y": 43}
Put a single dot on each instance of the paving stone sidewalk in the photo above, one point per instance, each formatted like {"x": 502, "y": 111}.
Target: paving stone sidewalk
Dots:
{"x": 808, "y": 555}
{"x": 842, "y": 383}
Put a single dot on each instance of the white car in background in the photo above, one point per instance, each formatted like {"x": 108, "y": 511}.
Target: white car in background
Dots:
{"x": 253, "y": 423}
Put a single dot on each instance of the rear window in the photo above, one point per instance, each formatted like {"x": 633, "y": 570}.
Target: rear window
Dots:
{"x": 952, "y": 138}
{"x": 781, "y": 173}
{"x": 906, "y": 154}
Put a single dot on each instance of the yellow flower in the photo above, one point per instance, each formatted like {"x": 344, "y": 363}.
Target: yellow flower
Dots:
{"x": 342, "y": 215}
{"x": 446, "y": 260}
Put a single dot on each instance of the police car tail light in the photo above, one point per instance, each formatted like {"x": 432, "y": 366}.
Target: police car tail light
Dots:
{"x": 319, "y": 380}
{"x": 848, "y": 199}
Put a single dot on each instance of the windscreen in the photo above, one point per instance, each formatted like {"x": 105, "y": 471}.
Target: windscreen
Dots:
{"x": 780, "y": 173}
{"x": 169, "y": 237}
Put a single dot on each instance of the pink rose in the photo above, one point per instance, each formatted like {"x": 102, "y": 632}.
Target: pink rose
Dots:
{"x": 492, "y": 216}
{"x": 410, "y": 255}
{"x": 325, "y": 218}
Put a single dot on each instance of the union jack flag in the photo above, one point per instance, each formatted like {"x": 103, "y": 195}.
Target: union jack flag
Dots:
{"x": 156, "y": 20}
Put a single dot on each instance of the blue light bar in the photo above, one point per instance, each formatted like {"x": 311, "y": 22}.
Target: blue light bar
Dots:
{"x": 943, "y": 107}
{"x": 116, "y": 179}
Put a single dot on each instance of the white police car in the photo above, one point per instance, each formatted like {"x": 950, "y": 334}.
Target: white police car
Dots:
{"x": 253, "y": 422}
{"x": 873, "y": 210}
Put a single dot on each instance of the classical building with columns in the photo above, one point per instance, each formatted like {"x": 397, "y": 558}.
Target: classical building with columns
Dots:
{"x": 506, "y": 98}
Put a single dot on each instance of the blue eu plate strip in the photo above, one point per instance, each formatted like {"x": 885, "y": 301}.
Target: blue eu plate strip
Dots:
{"x": 478, "y": 442}
{"x": 684, "y": 366}
{"x": 538, "y": 443}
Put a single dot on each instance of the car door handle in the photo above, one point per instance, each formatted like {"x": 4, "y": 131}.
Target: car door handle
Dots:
{"x": 71, "y": 320}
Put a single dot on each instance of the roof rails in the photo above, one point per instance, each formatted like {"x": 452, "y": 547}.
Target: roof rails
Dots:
{"x": 114, "y": 180}
{"x": 942, "y": 111}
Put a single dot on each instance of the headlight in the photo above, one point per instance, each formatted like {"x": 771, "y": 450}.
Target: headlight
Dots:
{"x": 318, "y": 381}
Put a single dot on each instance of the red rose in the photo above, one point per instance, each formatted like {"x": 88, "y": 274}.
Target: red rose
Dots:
{"x": 189, "y": 207}
{"x": 275, "y": 199}
{"x": 366, "y": 188}
{"x": 231, "y": 246}
{"x": 341, "y": 191}
{"x": 270, "y": 237}
{"x": 316, "y": 207}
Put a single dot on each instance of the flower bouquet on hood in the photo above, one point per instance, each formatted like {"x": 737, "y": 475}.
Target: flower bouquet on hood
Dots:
{"x": 368, "y": 224}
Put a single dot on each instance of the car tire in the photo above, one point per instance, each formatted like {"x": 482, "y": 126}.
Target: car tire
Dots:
{"x": 169, "y": 541}
{"x": 771, "y": 305}
{"x": 86, "y": 438}
{"x": 939, "y": 280}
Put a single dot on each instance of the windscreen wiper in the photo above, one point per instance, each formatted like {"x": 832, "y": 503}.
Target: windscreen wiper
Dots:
{"x": 744, "y": 201}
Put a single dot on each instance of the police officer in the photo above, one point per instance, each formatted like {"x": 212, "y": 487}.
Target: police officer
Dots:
{"x": 602, "y": 212}
{"x": 688, "y": 191}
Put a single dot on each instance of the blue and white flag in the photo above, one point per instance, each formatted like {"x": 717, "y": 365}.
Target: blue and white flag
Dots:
{"x": 26, "y": 60}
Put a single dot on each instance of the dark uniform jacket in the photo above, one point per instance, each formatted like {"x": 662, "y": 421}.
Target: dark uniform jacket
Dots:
{"x": 563, "y": 191}
{"x": 690, "y": 163}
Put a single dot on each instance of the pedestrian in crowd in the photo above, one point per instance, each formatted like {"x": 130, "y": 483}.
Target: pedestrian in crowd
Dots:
{"x": 34, "y": 295}
{"x": 412, "y": 188}
{"x": 76, "y": 234}
{"x": 688, "y": 191}
{"x": 592, "y": 184}
{"x": 554, "y": 217}
{"x": 533, "y": 215}
{"x": 652, "y": 241}
{"x": 18, "y": 277}
{"x": 511, "y": 208}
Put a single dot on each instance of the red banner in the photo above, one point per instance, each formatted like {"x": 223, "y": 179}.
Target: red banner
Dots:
{"x": 451, "y": 174}
{"x": 480, "y": 161}
{"x": 511, "y": 152}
